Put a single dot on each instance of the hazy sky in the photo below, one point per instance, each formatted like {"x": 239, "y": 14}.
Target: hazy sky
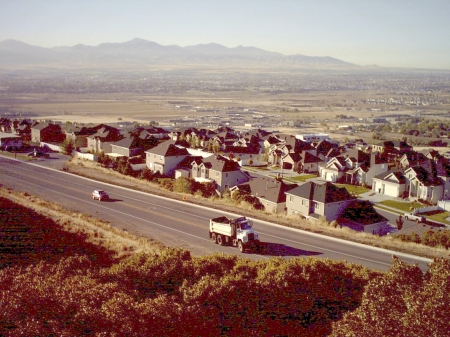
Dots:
{"x": 391, "y": 33}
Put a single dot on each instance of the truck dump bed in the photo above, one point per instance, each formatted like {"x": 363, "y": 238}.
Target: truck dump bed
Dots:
{"x": 221, "y": 219}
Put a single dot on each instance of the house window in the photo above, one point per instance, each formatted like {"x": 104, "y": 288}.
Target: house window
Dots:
{"x": 203, "y": 170}
{"x": 316, "y": 206}
{"x": 226, "y": 175}
{"x": 291, "y": 198}
{"x": 217, "y": 174}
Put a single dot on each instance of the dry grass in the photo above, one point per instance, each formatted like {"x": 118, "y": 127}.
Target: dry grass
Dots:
{"x": 95, "y": 171}
{"x": 98, "y": 232}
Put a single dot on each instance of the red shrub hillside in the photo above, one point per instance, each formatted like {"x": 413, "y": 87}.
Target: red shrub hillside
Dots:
{"x": 54, "y": 283}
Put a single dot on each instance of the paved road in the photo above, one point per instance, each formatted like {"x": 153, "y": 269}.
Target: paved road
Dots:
{"x": 177, "y": 223}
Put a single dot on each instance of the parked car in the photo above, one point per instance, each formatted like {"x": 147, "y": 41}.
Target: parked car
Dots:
{"x": 38, "y": 154}
{"x": 414, "y": 217}
{"x": 100, "y": 195}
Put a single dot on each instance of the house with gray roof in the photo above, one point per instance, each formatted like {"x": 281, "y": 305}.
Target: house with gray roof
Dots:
{"x": 392, "y": 183}
{"x": 165, "y": 157}
{"x": 128, "y": 147}
{"x": 224, "y": 172}
{"x": 316, "y": 199}
{"x": 270, "y": 192}
{"x": 102, "y": 139}
{"x": 47, "y": 132}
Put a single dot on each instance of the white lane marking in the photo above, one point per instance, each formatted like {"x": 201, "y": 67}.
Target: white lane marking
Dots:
{"x": 132, "y": 216}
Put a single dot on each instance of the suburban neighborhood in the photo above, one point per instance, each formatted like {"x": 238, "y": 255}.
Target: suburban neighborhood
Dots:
{"x": 238, "y": 161}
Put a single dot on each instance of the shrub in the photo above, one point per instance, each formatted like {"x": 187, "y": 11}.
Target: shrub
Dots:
{"x": 183, "y": 185}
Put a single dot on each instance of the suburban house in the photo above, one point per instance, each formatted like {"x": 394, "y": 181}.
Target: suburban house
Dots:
{"x": 315, "y": 200}
{"x": 22, "y": 128}
{"x": 334, "y": 169}
{"x": 165, "y": 157}
{"x": 5, "y": 125}
{"x": 429, "y": 182}
{"x": 326, "y": 150}
{"x": 300, "y": 162}
{"x": 225, "y": 172}
{"x": 269, "y": 191}
{"x": 411, "y": 158}
{"x": 391, "y": 183}
{"x": 128, "y": 147}
{"x": 244, "y": 155}
{"x": 9, "y": 140}
{"x": 101, "y": 140}
{"x": 47, "y": 132}
{"x": 364, "y": 173}
{"x": 423, "y": 184}
{"x": 392, "y": 146}
{"x": 79, "y": 136}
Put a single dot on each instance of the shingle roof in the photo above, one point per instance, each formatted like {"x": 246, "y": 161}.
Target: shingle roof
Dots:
{"x": 269, "y": 189}
{"x": 168, "y": 149}
{"x": 221, "y": 164}
{"x": 321, "y": 192}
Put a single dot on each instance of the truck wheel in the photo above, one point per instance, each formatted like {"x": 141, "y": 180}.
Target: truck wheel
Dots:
{"x": 214, "y": 237}
{"x": 241, "y": 246}
{"x": 220, "y": 240}
{"x": 417, "y": 220}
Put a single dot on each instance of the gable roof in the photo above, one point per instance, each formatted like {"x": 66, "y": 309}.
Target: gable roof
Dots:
{"x": 321, "y": 192}
{"x": 268, "y": 188}
{"x": 221, "y": 164}
{"x": 129, "y": 143}
{"x": 168, "y": 149}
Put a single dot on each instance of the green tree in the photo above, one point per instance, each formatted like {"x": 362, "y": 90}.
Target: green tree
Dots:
{"x": 183, "y": 185}
{"x": 67, "y": 146}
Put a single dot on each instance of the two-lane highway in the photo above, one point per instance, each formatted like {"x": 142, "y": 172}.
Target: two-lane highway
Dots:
{"x": 178, "y": 223}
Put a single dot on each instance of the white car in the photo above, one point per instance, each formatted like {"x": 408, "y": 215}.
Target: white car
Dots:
{"x": 414, "y": 217}
{"x": 100, "y": 195}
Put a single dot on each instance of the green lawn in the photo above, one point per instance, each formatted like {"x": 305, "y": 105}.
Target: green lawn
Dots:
{"x": 303, "y": 177}
{"x": 403, "y": 206}
{"x": 353, "y": 189}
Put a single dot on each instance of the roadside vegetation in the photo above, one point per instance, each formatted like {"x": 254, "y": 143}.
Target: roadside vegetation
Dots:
{"x": 65, "y": 273}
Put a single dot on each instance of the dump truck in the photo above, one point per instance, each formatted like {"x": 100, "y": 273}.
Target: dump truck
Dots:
{"x": 234, "y": 232}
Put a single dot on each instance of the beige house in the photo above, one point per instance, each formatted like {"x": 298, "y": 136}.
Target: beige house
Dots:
{"x": 224, "y": 172}
{"x": 424, "y": 185}
{"x": 391, "y": 183}
{"x": 315, "y": 200}
{"x": 165, "y": 157}
{"x": 270, "y": 192}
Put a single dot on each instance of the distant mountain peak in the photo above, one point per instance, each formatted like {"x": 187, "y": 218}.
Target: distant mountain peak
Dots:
{"x": 141, "y": 52}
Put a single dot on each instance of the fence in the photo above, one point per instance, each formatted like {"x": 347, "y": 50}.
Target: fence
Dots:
{"x": 53, "y": 147}
{"x": 444, "y": 204}
{"x": 87, "y": 156}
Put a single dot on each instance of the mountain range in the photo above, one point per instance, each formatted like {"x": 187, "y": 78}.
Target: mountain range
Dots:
{"x": 139, "y": 52}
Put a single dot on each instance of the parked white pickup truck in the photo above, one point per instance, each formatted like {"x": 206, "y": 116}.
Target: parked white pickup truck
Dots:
{"x": 414, "y": 217}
